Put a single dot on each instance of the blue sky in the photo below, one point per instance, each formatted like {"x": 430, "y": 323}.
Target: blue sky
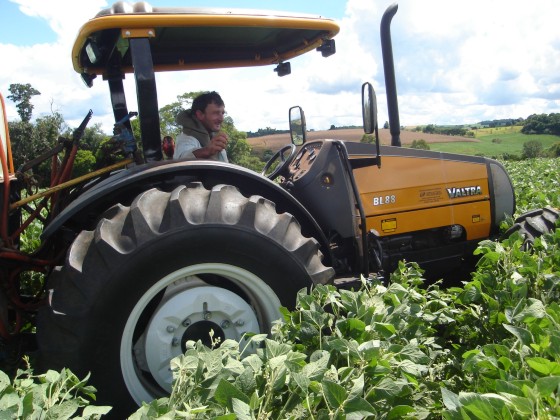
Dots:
{"x": 456, "y": 62}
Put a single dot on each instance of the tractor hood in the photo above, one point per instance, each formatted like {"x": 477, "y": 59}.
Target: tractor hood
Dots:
{"x": 196, "y": 38}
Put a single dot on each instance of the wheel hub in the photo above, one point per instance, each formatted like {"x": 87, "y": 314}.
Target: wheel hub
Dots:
{"x": 206, "y": 313}
{"x": 201, "y": 331}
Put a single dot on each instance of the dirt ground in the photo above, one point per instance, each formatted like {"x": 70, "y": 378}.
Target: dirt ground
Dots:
{"x": 276, "y": 141}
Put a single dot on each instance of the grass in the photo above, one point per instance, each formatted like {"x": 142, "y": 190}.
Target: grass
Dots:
{"x": 496, "y": 141}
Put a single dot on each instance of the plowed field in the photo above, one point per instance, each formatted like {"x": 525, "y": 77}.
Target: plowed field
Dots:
{"x": 276, "y": 141}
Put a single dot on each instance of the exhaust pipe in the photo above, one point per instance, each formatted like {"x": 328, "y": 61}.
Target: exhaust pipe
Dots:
{"x": 389, "y": 69}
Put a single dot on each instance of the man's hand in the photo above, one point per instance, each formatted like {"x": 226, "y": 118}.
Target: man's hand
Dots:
{"x": 217, "y": 143}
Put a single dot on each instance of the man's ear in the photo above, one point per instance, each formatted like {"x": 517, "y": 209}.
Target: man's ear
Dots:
{"x": 199, "y": 115}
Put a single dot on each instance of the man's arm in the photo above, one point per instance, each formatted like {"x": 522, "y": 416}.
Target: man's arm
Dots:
{"x": 185, "y": 146}
{"x": 218, "y": 142}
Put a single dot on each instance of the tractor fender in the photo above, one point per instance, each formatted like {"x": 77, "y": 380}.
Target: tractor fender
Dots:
{"x": 123, "y": 186}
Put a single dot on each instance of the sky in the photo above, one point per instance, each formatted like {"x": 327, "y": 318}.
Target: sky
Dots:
{"x": 457, "y": 62}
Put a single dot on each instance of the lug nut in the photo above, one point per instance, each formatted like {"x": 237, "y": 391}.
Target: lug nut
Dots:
{"x": 186, "y": 322}
{"x": 226, "y": 324}
{"x": 170, "y": 328}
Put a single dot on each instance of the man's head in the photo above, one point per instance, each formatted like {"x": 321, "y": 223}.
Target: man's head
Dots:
{"x": 209, "y": 109}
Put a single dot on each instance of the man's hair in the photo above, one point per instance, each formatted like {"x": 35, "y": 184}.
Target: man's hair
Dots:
{"x": 202, "y": 101}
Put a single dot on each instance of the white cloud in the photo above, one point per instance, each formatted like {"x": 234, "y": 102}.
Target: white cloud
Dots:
{"x": 478, "y": 59}
{"x": 64, "y": 16}
{"x": 456, "y": 62}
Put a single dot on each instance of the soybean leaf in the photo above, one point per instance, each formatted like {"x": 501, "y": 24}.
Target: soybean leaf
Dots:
{"x": 359, "y": 407}
{"x": 241, "y": 409}
{"x": 522, "y": 334}
{"x": 548, "y": 385}
{"x": 450, "y": 399}
{"x": 544, "y": 366}
{"x": 334, "y": 393}
{"x": 226, "y": 392}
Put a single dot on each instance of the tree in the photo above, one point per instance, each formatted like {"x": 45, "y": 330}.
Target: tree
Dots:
{"x": 31, "y": 140}
{"x": 21, "y": 95}
{"x": 420, "y": 144}
{"x": 44, "y": 136}
{"x": 267, "y": 154}
{"x": 542, "y": 124}
{"x": 531, "y": 149}
{"x": 430, "y": 129}
{"x": 238, "y": 149}
{"x": 367, "y": 138}
{"x": 20, "y": 136}
{"x": 83, "y": 164}
{"x": 92, "y": 138}
{"x": 167, "y": 114}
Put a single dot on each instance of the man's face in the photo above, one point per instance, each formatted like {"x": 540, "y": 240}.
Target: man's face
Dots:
{"x": 212, "y": 117}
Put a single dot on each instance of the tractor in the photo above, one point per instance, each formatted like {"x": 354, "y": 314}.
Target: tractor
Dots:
{"x": 143, "y": 255}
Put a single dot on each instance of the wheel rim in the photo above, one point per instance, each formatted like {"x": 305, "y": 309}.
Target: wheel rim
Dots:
{"x": 187, "y": 309}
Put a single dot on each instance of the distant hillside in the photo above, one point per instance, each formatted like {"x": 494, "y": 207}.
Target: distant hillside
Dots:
{"x": 276, "y": 141}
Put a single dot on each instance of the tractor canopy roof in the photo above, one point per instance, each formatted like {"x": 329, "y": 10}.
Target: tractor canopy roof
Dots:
{"x": 195, "y": 38}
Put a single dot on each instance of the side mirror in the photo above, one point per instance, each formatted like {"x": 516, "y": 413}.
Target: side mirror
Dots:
{"x": 369, "y": 115}
{"x": 297, "y": 125}
{"x": 369, "y": 108}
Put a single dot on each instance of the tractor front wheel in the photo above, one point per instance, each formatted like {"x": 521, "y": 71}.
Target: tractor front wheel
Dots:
{"x": 193, "y": 264}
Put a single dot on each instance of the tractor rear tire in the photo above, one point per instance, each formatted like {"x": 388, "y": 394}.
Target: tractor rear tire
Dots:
{"x": 533, "y": 224}
{"x": 167, "y": 269}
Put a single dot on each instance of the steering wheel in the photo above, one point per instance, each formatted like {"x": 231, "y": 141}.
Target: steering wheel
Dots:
{"x": 285, "y": 161}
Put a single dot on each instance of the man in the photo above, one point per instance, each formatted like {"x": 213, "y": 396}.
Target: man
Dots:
{"x": 201, "y": 137}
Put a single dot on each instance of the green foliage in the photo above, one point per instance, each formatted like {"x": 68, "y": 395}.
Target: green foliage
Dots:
{"x": 31, "y": 282}
{"x": 403, "y": 350}
{"x": 490, "y": 349}
{"x": 420, "y": 144}
{"x": 536, "y": 183}
{"x": 30, "y": 140}
{"x": 499, "y": 142}
{"x": 368, "y": 138}
{"x": 515, "y": 369}
{"x": 21, "y": 95}
{"x": 92, "y": 138}
{"x": 267, "y": 154}
{"x": 542, "y": 124}
{"x": 167, "y": 114}
{"x": 84, "y": 163}
{"x": 452, "y": 130}
{"x": 21, "y": 141}
{"x": 532, "y": 149}
{"x": 238, "y": 149}
{"x": 265, "y": 132}
{"x": 554, "y": 150}
{"x": 53, "y": 395}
